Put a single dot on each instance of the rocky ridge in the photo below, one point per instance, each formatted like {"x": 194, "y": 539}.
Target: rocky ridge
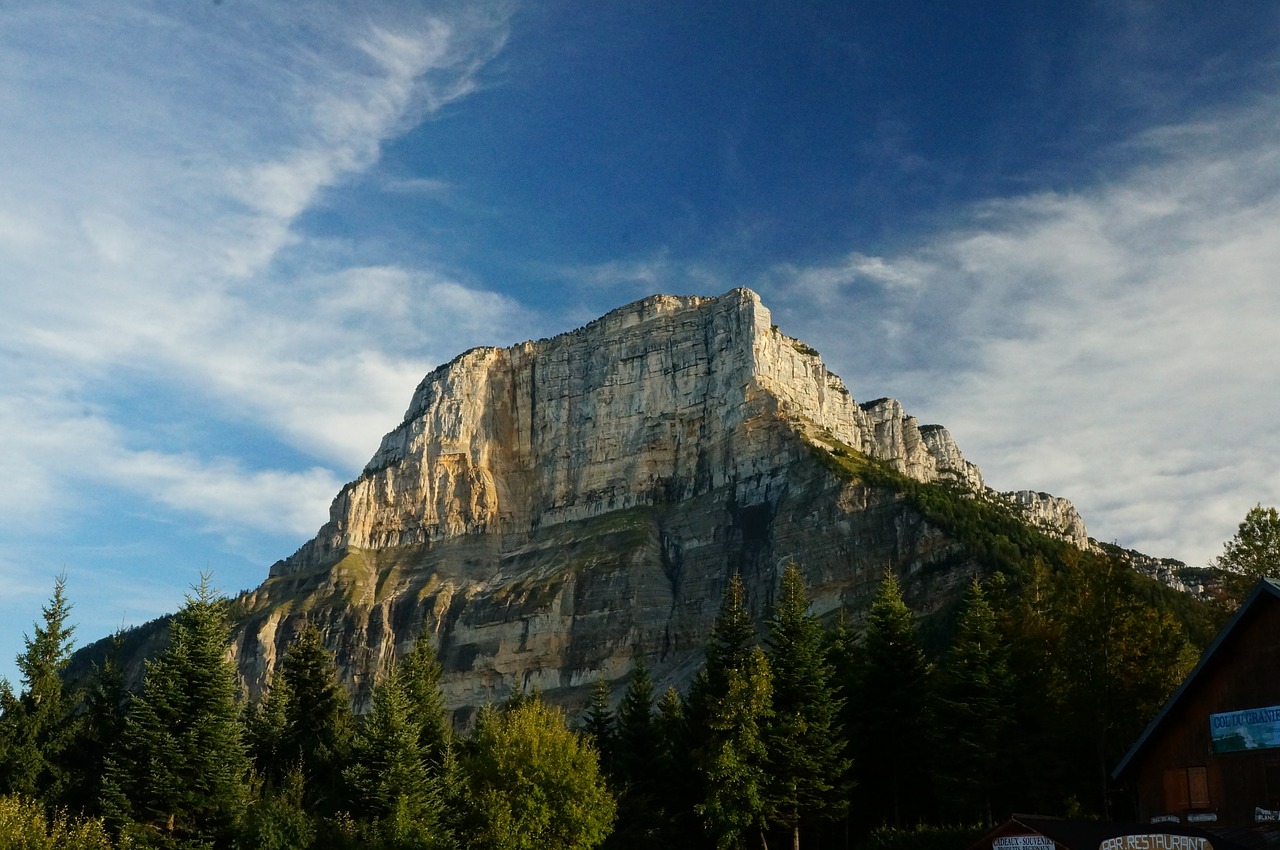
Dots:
{"x": 549, "y": 511}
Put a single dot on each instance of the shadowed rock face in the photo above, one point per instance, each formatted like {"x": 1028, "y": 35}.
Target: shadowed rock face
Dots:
{"x": 548, "y": 511}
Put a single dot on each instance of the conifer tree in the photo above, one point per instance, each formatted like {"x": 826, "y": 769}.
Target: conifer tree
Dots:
{"x": 734, "y": 759}
{"x": 318, "y": 722}
{"x": 38, "y": 724}
{"x": 638, "y": 768}
{"x": 976, "y": 695}
{"x": 679, "y": 789}
{"x": 421, "y": 675}
{"x": 729, "y": 706}
{"x": 181, "y": 767}
{"x": 805, "y": 739}
{"x": 894, "y": 711}
{"x": 389, "y": 774}
{"x": 100, "y": 726}
{"x": 599, "y": 724}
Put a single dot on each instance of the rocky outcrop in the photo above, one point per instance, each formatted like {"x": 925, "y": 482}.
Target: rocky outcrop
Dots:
{"x": 1053, "y": 515}
{"x": 550, "y": 511}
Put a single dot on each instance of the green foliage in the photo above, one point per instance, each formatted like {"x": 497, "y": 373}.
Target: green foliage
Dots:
{"x": 893, "y": 712}
{"x": 318, "y": 723}
{"x": 922, "y": 837}
{"x": 733, "y": 761}
{"x": 599, "y": 723}
{"x": 181, "y": 766}
{"x": 976, "y": 698}
{"x": 805, "y": 740}
{"x": 389, "y": 776}
{"x": 532, "y": 783}
{"x": 276, "y": 819}
{"x": 1251, "y": 554}
{"x": 638, "y": 768}
{"x": 24, "y": 825}
{"x": 39, "y": 725}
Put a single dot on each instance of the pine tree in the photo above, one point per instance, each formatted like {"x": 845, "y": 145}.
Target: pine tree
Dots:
{"x": 421, "y": 675}
{"x": 805, "y": 740}
{"x": 100, "y": 726}
{"x": 894, "y": 711}
{"x": 729, "y": 706}
{"x": 734, "y": 760}
{"x": 599, "y": 724}
{"x": 39, "y": 725}
{"x": 638, "y": 768}
{"x": 181, "y": 766}
{"x": 389, "y": 774}
{"x": 976, "y": 694}
{"x": 318, "y": 722}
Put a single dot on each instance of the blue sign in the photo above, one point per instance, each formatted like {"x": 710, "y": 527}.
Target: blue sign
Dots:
{"x": 1251, "y": 729}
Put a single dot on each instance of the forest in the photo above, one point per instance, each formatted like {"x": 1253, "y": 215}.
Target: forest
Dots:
{"x": 809, "y": 734}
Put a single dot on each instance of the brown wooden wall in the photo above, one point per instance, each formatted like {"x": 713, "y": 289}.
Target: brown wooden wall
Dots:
{"x": 1177, "y": 765}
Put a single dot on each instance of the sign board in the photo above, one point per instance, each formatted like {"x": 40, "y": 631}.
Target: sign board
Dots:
{"x": 1022, "y": 842}
{"x": 1156, "y": 842}
{"x": 1251, "y": 729}
{"x": 1166, "y": 819}
{"x": 1261, "y": 815}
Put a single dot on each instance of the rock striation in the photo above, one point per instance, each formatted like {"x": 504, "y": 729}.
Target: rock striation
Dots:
{"x": 550, "y": 511}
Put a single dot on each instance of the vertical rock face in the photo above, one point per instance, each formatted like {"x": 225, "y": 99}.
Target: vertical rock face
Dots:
{"x": 549, "y": 511}
{"x": 658, "y": 401}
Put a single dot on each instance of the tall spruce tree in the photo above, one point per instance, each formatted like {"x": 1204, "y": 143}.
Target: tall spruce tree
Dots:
{"x": 389, "y": 776}
{"x": 181, "y": 768}
{"x": 38, "y": 724}
{"x": 729, "y": 707}
{"x": 637, "y": 767}
{"x": 894, "y": 711}
{"x": 100, "y": 726}
{"x": 318, "y": 722}
{"x": 805, "y": 740}
{"x": 680, "y": 786}
{"x": 421, "y": 675}
{"x": 600, "y": 725}
{"x": 976, "y": 697}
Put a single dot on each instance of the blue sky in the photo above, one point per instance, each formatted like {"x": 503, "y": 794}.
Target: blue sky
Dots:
{"x": 234, "y": 235}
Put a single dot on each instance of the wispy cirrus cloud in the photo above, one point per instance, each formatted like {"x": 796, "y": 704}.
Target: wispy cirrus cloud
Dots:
{"x": 156, "y": 168}
{"x": 1115, "y": 345}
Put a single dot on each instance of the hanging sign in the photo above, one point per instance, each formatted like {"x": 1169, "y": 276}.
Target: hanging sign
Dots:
{"x": 1022, "y": 842}
{"x": 1251, "y": 729}
{"x": 1160, "y": 841}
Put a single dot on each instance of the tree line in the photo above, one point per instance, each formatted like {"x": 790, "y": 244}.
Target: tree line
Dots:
{"x": 808, "y": 730}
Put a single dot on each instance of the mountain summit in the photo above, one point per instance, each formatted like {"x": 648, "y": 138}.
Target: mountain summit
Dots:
{"x": 550, "y": 511}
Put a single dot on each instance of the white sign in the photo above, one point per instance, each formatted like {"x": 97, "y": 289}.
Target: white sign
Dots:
{"x": 1156, "y": 842}
{"x": 1261, "y": 815}
{"x": 1022, "y": 842}
{"x": 1166, "y": 819}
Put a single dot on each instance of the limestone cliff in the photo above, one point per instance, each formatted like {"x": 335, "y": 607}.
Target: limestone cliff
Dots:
{"x": 548, "y": 511}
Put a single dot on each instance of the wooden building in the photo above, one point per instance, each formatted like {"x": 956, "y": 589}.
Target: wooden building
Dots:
{"x": 1211, "y": 757}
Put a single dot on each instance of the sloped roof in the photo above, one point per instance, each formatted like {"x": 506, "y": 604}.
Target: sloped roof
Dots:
{"x": 1265, "y": 587}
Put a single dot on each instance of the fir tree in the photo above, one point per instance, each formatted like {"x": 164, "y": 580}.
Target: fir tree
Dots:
{"x": 599, "y": 723}
{"x": 679, "y": 786}
{"x": 805, "y": 740}
{"x": 181, "y": 766}
{"x": 729, "y": 706}
{"x": 733, "y": 762}
{"x": 99, "y": 728}
{"x": 894, "y": 711}
{"x": 638, "y": 768}
{"x": 38, "y": 725}
{"x": 389, "y": 775}
{"x": 421, "y": 675}
{"x": 976, "y": 694}
{"x": 318, "y": 722}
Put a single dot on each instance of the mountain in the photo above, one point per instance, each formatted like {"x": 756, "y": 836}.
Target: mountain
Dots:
{"x": 549, "y": 511}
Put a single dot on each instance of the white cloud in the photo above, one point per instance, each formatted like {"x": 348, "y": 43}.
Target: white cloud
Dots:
{"x": 1115, "y": 346}
{"x": 155, "y": 166}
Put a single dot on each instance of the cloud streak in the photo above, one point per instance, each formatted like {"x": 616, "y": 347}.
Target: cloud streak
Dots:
{"x": 1114, "y": 345}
